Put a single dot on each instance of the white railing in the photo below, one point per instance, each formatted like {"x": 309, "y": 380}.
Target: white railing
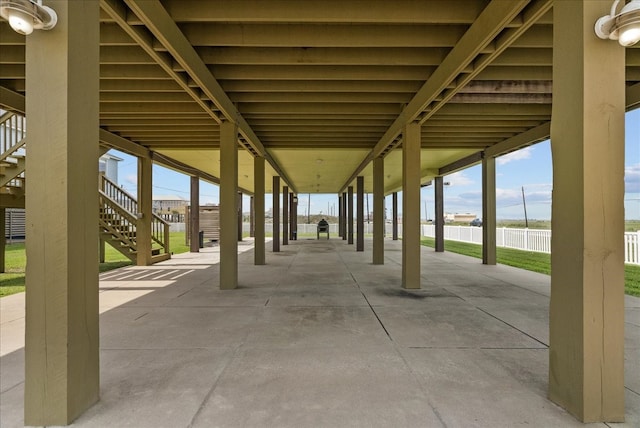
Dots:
{"x": 632, "y": 248}
{"x": 537, "y": 240}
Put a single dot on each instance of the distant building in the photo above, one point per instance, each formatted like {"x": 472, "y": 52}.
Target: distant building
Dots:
{"x": 108, "y": 164}
{"x": 462, "y": 218}
{"x": 168, "y": 204}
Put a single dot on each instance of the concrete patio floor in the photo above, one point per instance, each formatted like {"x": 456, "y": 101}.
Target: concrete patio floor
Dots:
{"x": 319, "y": 337}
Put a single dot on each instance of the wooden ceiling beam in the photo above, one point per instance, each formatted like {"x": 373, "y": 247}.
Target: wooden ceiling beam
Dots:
{"x": 113, "y": 85}
{"x": 317, "y": 97}
{"x": 508, "y": 87}
{"x": 500, "y": 99}
{"x": 319, "y": 108}
{"x": 322, "y": 56}
{"x": 320, "y": 72}
{"x": 493, "y": 19}
{"x": 166, "y": 31}
{"x": 333, "y": 11}
{"x": 298, "y": 86}
{"x": 319, "y": 35}
{"x": 489, "y": 24}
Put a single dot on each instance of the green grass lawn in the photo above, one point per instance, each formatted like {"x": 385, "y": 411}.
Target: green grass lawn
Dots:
{"x": 12, "y": 281}
{"x": 536, "y": 262}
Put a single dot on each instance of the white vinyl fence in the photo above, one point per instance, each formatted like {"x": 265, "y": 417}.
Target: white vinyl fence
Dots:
{"x": 537, "y": 240}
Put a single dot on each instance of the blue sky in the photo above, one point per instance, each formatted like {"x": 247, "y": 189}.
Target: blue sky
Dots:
{"x": 530, "y": 168}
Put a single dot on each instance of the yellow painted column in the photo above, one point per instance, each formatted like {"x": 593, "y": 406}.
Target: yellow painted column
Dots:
{"x": 340, "y": 223}
{"x": 258, "y": 200}
{"x": 360, "y": 213}
{"x": 411, "y": 206}
{"x": 439, "y": 213}
{"x": 240, "y": 216}
{"x": 252, "y": 217}
{"x": 285, "y": 215}
{"x": 586, "y": 351}
{"x": 62, "y": 338}
{"x": 102, "y": 251}
{"x": 489, "y": 210}
{"x": 378, "y": 211}
{"x": 228, "y": 206}
{"x": 3, "y": 240}
{"x": 394, "y": 216}
{"x": 344, "y": 216}
{"x": 276, "y": 214}
{"x": 194, "y": 215}
{"x": 350, "y": 215}
{"x": 292, "y": 215}
{"x": 145, "y": 202}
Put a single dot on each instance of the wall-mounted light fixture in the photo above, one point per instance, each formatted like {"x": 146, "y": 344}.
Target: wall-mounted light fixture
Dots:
{"x": 623, "y": 26}
{"x": 24, "y": 16}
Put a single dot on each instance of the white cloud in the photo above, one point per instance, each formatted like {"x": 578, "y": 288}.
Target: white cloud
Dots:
{"x": 515, "y": 156}
{"x": 458, "y": 179}
{"x": 632, "y": 178}
{"x": 131, "y": 179}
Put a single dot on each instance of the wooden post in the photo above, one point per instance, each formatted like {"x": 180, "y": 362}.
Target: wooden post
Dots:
{"x": 360, "y": 214}
{"x": 378, "y": 211}
{"x": 285, "y": 215}
{"x": 228, "y": 205}
{"x": 411, "y": 206}
{"x": 194, "y": 216}
{"x": 62, "y": 339}
{"x": 276, "y": 214}
{"x": 586, "y": 312}
{"x": 259, "y": 190}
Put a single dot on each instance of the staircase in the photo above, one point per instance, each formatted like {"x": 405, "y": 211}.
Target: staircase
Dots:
{"x": 118, "y": 223}
{"x": 118, "y": 210}
{"x": 12, "y": 160}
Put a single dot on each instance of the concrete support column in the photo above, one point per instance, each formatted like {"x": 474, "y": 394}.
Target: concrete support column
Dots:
{"x": 586, "y": 326}
{"x": 62, "y": 338}
{"x": 294, "y": 215}
{"x": 258, "y": 196}
{"x": 360, "y": 214}
{"x": 489, "y": 210}
{"x": 411, "y": 206}
{"x": 102, "y": 251}
{"x": 240, "y": 217}
{"x": 378, "y": 211}
{"x": 394, "y": 216}
{"x": 285, "y": 215}
{"x": 276, "y": 214}
{"x": 194, "y": 215}
{"x": 228, "y": 205}
{"x": 439, "y": 209}
{"x": 3, "y": 240}
{"x": 145, "y": 216}
{"x": 350, "y": 215}
{"x": 252, "y": 218}
{"x": 291, "y": 215}
{"x": 344, "y": 216}
{"x": 340, "y": 223}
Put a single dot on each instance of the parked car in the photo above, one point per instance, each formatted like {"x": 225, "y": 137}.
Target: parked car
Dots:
{"x": 476, "y": 222}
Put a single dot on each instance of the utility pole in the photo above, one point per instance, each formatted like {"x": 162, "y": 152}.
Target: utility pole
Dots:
{"x": 524, "y": 202}
{"x": 426, "y": 213}
{"x": 309, "y": 209}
